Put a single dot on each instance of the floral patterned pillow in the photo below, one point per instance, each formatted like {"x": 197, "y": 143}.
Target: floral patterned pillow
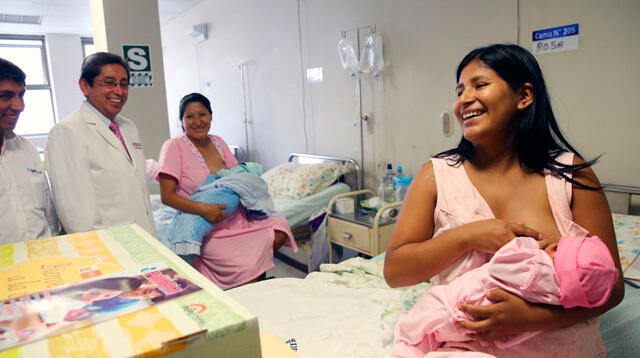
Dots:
{"x": 297, "y": 181}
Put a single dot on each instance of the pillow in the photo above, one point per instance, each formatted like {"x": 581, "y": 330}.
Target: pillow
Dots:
{"x": 297, "y": 181}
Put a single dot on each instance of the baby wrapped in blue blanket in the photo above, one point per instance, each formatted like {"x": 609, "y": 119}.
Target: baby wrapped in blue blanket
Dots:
{"x": 183, "y": 232}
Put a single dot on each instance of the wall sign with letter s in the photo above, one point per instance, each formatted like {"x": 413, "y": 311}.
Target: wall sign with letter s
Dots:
{"x": 139, "y": 59}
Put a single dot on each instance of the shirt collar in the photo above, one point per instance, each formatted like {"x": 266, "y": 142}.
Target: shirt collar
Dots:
{"x": 8, "y": 139}
{"x": 104, "y": 119}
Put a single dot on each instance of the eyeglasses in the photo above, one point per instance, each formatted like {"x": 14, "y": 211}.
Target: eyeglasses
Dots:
{"x": 111, "y": 83}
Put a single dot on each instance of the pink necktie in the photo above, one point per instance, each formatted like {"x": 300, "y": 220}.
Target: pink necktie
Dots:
{"x": 116, "y": 130}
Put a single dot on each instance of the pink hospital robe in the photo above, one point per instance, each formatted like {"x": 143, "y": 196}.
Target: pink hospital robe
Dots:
{"x": 458, "y": 203}
{"x": 519, "y": 267}
{"x": 238, "y": 249}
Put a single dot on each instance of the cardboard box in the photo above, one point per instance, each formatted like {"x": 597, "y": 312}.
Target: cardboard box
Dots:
{"x": 204, "y": 323}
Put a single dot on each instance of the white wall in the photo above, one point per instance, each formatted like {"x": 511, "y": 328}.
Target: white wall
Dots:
{"x": 65, "y": 59}
{"x": 423, "y": 42}
{"x": 263, "y": 34}
{"x": 594, "y": 89}
{"x": 591, "y": 87}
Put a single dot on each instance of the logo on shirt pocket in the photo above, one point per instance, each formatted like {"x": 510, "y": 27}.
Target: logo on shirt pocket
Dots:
{"x": 136, "y": 145}
{"x": 34, "y": 171}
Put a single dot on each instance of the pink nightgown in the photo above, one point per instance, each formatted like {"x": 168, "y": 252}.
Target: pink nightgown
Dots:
{"x": 459, "y": 202}
{"x": 237, "y": 250}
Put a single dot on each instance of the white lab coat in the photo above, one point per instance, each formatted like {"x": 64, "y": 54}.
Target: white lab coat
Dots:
{"x": 95, "y": 184}
{"x": 26, "y": 209}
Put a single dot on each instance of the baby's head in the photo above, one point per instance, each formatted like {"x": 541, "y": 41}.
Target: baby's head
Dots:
{"x": 585, "y": 271}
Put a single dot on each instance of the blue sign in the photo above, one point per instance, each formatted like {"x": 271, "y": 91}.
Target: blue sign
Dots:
{"x": 555, "y": 32}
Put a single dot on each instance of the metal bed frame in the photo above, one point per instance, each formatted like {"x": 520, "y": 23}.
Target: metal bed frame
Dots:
{"x": 353, "y": 178}
{"x": 619, "y": 197}
{"x": 302, "y": 232}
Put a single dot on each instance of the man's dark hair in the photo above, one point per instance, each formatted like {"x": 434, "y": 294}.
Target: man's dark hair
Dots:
{"x": 92, "y": 65}
{"x": 9, "y": 71}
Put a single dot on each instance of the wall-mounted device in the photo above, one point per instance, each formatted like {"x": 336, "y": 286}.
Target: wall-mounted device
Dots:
{"x": 200, "y": 32}
{"x": 447, "y": 123}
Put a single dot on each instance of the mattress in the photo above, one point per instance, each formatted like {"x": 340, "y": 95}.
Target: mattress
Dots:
{"x": 627, "y": 228}
{"x": 323, "y": 320}
{"x": 347, "y": 310}
{"x": 298, "y": 211}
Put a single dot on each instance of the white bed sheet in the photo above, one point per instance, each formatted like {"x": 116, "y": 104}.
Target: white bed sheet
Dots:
{"x": 298, "y": 211}
{"x": 346, "y": 325}
{"x": 347, "y": 310}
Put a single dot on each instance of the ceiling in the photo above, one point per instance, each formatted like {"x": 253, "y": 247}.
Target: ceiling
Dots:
{"x": 70, "y": 16}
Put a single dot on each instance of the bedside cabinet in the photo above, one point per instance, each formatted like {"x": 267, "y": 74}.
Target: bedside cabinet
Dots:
{"x": 364, "y": 233}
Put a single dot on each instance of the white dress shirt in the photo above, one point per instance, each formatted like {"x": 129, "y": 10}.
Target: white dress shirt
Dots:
{"x": 26, "y": 209}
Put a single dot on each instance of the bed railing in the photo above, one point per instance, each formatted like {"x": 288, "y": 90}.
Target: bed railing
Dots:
{"x": 237, "y": 152}
{"x": 619, "y": 197}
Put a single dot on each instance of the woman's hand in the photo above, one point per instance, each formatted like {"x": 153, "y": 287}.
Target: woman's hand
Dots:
{"x": 508, "y": 315}
{"x": 491, "y": 235}
{"x": 212, "y": 212}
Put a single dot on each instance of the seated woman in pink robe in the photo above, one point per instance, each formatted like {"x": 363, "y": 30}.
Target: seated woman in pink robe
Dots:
{"x": 238, "y": 250}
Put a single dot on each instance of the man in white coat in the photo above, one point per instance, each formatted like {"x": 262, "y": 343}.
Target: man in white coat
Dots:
{"x": 26, "y": 210}
{"x": 94, "y": 157}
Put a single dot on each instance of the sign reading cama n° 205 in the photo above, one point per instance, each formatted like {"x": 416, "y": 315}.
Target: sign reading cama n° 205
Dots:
{"x": 555, "y": 39}
{"x": 139, "y": 59}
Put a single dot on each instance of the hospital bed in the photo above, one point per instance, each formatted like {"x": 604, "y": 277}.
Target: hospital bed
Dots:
{"x": 347, "y": 310}
{"x": 305, "y": 214}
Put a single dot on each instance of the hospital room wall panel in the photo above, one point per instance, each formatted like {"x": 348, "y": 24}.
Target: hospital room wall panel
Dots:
{"x": 264, "y": 36}
{"x": 423, "y": 40}
{"x": 594, "y": 88}
{"x": 181, "y": 72}
{"x": 65, "y": 60}
{"x": 591, "y": 87}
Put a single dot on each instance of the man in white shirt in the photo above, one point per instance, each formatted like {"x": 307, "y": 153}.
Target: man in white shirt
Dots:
{"x": 26, "y": 212}
{"x": 94, "y": 156}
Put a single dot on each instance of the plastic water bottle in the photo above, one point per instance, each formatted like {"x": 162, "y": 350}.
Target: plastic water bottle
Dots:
{"x": 388, "y": 180}
{"x": 399, "y": 174}
{"x": 402, "y": 184}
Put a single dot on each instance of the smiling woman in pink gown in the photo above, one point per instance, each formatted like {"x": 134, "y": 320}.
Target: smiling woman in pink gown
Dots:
{"x": 238, "y": 250}
{"x": 512, "y": 174}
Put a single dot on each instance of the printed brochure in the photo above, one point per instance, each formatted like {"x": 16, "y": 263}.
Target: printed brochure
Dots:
{"x": 47, "y": 313}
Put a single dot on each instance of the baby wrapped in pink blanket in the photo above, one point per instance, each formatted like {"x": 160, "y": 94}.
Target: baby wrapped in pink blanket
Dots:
{"x": 580, "y": 272}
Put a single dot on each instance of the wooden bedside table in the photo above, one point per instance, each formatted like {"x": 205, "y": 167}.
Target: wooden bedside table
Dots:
{"x": 366, "y": 234}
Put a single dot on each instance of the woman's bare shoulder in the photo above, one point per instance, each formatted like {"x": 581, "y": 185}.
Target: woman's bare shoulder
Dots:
{"x": 424, "y": 182}
{"x": 426, "y": 173}
{"x": 586, "y": 176}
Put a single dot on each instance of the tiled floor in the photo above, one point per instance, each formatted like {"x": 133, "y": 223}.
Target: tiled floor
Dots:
{"x": 283, "y": 270}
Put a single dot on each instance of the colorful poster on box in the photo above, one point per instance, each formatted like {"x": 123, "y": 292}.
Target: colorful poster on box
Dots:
{"x": 51, "y": 312}
{"x": 204, "y": 322}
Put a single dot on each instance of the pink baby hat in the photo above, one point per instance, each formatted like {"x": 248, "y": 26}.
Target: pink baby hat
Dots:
{"x": 585, "y": 271}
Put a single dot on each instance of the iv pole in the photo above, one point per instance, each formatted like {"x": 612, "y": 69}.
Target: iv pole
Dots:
{"x": 245, "y": 120}
{"x": 362, "y": 118}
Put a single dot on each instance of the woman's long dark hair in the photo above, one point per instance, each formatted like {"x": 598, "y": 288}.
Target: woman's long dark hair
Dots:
{"x": 537, "y": 139}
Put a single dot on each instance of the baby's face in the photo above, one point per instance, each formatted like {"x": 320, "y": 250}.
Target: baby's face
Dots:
{"x": 551, "y": 249}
